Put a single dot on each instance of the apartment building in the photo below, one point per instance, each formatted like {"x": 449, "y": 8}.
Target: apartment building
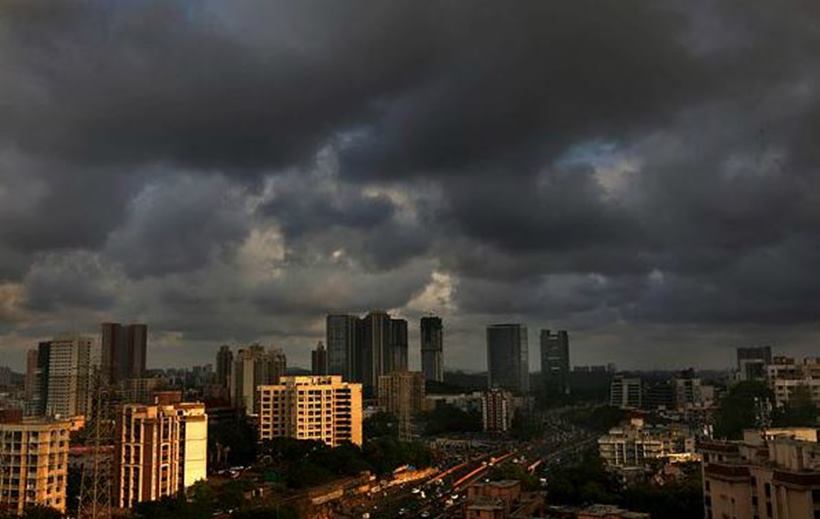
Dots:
{"x": 401, "y": 393}
{"x": 625, "y": 392}
{"x": 33, "y": 463}
{"x": 69, "y": 370}
{"x": 773, "y": 473}
{"x": 159, "y": 450}
{"x": 321, "y": 408}
{"x": 497, "y": 410}
{"x": 787, "y": 377}
{"x": 633, "y": 444}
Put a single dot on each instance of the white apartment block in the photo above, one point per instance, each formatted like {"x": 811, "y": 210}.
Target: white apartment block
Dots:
{"x": 320, "y": 408}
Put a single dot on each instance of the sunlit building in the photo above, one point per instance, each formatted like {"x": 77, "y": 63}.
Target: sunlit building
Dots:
{"x": 320, "y": 408}
{"x": 33, "y": 463}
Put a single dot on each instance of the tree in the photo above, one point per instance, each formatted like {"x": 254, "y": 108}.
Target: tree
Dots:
{"x": 799, "y": 411}
{"x": 739, "y": 409}
{"x": 448, "y": 418}
{"x": 380, "y": 425}
{"x": 526, "y": 427}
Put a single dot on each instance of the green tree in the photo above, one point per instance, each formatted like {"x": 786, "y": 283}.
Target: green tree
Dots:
{"x": 739, "y": 408}
{"x": 800, "y": 411}
{"x": 526, "y": 427}
{"x": 448, "y": 419}
{"x": 381, "y": 425}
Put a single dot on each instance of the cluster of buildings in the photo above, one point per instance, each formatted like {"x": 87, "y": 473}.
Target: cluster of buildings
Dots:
{"x": 159, "y": 443}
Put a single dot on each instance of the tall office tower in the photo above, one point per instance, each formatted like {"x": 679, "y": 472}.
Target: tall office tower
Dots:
{"x": 383, "y": 347}
{"x": 318, "y": 360}
{"x": 123, "y": 351}
{"x": 33, "y": 464}
{"x": 508, "y": 363}
{"x": 432, "y": 348}
{"x": 752, "y": 362}
{"x": 37, "y": 405}
{"x": 253, "y": 367}
{"x": 555, "y": 362}
{"x": 159, "y": 451}
{"x": 376, "y": 357}
{"x": 343, "y": 339}
{"x": 30, "y": 382}
{"x": 69, "y": 370}
{"x": 401, "y": 393}
{"x": 312, "y": 408}
{"x": 224, "y": 360}
{"x": 398, "y": 345}
{"x": 625, "y": 392}
{"x": 496, "y": 410}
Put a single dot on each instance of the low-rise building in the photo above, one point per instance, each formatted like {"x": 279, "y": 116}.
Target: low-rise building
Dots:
{"x": 774, "y": 473}
{"x": 631, "y": 446}
{"x": 33, "y": 463}
{"x": 786, "y": 378}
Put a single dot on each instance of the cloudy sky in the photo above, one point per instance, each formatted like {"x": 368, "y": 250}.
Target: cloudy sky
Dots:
{"x": 644, "y": 174}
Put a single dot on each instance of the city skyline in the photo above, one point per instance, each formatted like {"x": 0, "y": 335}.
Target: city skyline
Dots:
{"x": 226, "y": 181}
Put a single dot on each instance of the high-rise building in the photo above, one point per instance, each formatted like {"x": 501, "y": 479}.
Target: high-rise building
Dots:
{"x": 625, "y": 392}
{"x": 432, "y": 348}
{"x": 69, "y": 374}
{"x": 33, "y": 464}
{"x": 497, "y": 410}
{"x": 555, "y": 362}
{"x": 398, "y": 345}
{"x": 37, "y": 405}
{"x": 383, "y": 349}
{"x": 508, "y": 357}
{"x": 343, "y": 339}
{"x": 30, "y": 382}
{"x": 318, "y": 360}
{"x": 401, "y": 393}
{"x": 253, "y": 367}
{"x": 160, "y": 450}
{"x": 224, "y": 361}
{"x": 123, "y": 351}
{"x": 752, "y": 362}
{"x": 320, "y": 408}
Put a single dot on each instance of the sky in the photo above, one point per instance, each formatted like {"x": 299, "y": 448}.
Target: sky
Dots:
{"x": 644, "y": 174}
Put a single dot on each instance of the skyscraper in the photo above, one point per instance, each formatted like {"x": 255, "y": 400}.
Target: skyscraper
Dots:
{"x": 318, "y": 360}
{"x": 555, "y": 362}
{"x": 40, "y": 398}
{"x": 123, "y": 351}
{"x": 398, "y": 345}
{"x": 69, "y": 369}
{"x": 224, "y": 360}
{"x": 343, "y": 339}
{"x": 30, "y": 387}
{"x": 383, "y": 348}
{"x": 508, "y": 357}
{"x": 252, "y": 367}
{"x": 432, "y": 346}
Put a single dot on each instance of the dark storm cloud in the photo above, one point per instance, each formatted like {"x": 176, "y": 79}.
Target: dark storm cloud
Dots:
{"x": 233, "y": 170}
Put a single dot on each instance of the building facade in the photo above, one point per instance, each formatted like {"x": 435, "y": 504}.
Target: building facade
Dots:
{"x": 402, "y": 394}
{"x": 343, "y": 339}
{"x": 160, "y": 450}
{"x": 508, "y": 357}
{"x": 631, "y": 445}
{"x": 773, "y": 473}
{"x": 323, "y": 408}
{"x": 752, "y": 362}
{"x": 252, "y": 367}
{"x": 625, "y": 392}
{"x": 432, "y": 348}
{"x": 224, "y": 363}
{"x": 318, "y": 360}
{"x": 33, "y": 464}
{"x": 497, "y": 410}
{"x": 123, "y": 350}
{"x": 790, "y": 380}
{"x": 69, "y": 376}
{"x": 555, "y": 362}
